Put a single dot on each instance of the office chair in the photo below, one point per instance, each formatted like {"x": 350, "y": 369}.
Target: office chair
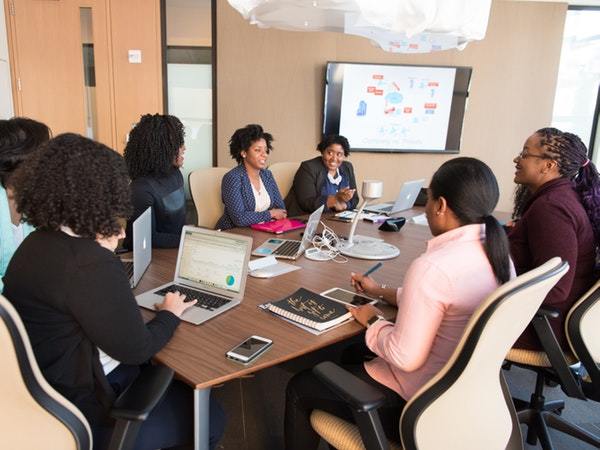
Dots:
{"x": 466, "y": 405}
{"x": 205, "y": 188}
{"x": 34, "y": 416}
{"x": 553, "y": 365}
{"x": 284, "y": 172}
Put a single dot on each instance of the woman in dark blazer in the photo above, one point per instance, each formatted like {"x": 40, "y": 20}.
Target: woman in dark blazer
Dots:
{"x": 325, "y": 180}
{"x": 249, "y": 191}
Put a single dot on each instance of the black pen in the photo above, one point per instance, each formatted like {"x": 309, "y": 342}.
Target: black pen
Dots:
{"x": 372, "y": 269}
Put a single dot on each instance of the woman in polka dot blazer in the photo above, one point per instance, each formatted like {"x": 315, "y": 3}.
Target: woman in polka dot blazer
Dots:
{"x": 249, "y": 191}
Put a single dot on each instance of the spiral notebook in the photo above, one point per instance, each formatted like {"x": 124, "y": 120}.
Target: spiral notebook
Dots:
{"x": 310, "y": 310}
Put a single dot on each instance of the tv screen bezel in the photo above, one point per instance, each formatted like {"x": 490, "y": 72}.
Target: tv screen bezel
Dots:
{"x": 333, "y": 101}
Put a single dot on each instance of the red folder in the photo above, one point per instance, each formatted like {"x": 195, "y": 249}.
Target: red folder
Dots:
{"x": 279, "y": 226}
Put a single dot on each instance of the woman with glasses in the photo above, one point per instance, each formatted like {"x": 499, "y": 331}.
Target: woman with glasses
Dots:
{"x": 557, "y": 213}
{"x": 249, "y": 191}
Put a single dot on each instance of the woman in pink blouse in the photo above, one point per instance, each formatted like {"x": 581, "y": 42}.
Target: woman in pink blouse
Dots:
{"x": 466, "y": 260}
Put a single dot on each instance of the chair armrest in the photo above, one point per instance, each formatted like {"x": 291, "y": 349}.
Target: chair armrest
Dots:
{"x": 360, "y": 395}
{"x": 555, "y": 354}
{"x": 548, "y": 311}
{"x": 140, "y": 398}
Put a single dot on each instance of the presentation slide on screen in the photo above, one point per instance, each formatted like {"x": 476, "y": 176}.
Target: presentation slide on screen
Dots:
{"x": 396, "y": 107}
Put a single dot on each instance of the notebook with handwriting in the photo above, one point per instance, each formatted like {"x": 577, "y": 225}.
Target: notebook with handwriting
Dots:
{"x": 310, "y": 309}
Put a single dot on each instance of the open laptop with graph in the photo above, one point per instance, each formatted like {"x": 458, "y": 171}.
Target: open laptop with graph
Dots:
{"x": 142, "y": 248}
{"x": 291, "y": 248}
{"x": 212, "y": 268}
{"x": 405, "y": 200}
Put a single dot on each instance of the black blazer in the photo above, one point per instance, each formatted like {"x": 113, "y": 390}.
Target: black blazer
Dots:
{"x": 305, "y": 195}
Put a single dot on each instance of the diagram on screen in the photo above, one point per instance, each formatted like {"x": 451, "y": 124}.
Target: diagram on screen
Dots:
{"x": 396, "y": 106}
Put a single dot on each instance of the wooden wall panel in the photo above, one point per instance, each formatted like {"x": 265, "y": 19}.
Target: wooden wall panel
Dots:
{"x": 275, "y": 78}
{"x": 135, "y": 24}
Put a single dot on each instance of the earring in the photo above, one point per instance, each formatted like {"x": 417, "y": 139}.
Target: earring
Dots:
{"x": 437, "y": 213}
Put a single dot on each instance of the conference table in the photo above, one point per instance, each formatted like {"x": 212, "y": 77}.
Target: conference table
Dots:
{"x": 197, "y": 352}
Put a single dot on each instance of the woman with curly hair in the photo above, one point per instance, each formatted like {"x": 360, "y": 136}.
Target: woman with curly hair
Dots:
{"x": 73, "y": 294}
{"x": 154, "y": 155}
{"x": 249, "y": 191}
{"x": 557, "y": 213}
{"x": 325, "y": 180}
{"x": 19, "y": 137}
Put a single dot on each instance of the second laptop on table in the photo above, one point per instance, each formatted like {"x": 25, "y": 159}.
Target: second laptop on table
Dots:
{"x": 405, "y": 200}
{"x": 291, "y": 248}
{"x": 212, "y": 268}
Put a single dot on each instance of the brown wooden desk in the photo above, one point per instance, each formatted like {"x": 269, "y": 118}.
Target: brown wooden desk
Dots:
{"x": 197, "y": 353}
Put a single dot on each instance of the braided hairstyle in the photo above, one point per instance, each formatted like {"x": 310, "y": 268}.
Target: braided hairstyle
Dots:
{"x": 571, "y": 155}
{"x": 153, "y": 145}
{"x": 19, "y": 137}
{"x": 471, "y": 191}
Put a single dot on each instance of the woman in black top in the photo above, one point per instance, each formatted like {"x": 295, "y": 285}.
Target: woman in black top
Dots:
{"x": 73, "y": 295}
{"x": 325, "y": 180}
{"x": 154, "y": 155}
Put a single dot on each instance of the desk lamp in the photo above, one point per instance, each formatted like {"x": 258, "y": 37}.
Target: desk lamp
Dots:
{"x": 366, "y": 247}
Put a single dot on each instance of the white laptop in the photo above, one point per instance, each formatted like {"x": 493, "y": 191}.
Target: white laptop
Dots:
{"x": 291, "y": 248}
{"x": 212, "y": 268}
{"x": 142, "y": 248}
{"x": 405, "y": 200}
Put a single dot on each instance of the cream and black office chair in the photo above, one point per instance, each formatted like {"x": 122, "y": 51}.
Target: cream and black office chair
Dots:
{"x": 582, "y": 326}
{"x": 34, "y": 416}
{"x": 284, "y": 172}
{"x": 205, "y": 187}
{"x": 466, "y": 405}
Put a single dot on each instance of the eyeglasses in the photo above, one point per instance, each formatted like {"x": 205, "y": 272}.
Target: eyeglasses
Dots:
{"x": 525, "y": 155}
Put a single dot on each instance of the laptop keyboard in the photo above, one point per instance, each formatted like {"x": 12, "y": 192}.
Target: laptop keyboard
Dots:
{"x": 206, "y": 301}
{"x": 386, "y": 208}
{"x": 128, "y": 265}
{"x": 288, "y": 248}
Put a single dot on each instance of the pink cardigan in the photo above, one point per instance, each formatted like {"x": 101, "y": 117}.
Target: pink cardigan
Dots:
{"x": 442, "y": 289}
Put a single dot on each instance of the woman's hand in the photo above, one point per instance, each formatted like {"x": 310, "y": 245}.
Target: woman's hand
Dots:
{"x": 364, "y": 284}
{"x": 363, "y": 313}
{"x": 175, "y": 302}
{"x": 278, "y": 213}
{"x": 345, "y": 194}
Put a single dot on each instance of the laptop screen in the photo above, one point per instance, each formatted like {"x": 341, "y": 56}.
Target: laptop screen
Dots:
{"x": 213, "y": 260}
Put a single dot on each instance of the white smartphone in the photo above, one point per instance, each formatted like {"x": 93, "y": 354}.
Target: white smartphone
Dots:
{"x": 348, "y": 298}
{"x": 250, "y": 349}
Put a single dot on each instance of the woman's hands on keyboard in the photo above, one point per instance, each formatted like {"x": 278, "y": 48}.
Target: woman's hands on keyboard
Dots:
{"x": 175, "y": 302}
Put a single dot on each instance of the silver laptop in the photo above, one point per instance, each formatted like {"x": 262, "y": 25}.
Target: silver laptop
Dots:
{"x": 405, "y": 200}
{"x": 142, "y": 248}
{"x": 212, "y": 268}
{"x": 291, "y": 248}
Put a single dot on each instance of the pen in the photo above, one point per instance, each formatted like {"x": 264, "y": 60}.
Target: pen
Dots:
{"x": 372, "y": 269}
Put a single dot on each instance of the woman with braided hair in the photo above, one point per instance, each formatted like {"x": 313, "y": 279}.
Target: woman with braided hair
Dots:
{"x": 557, "y": 213}
{"x": 154, "y": 155}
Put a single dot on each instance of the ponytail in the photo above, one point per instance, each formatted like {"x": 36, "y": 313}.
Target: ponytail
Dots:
{"x": 497, "y": 249}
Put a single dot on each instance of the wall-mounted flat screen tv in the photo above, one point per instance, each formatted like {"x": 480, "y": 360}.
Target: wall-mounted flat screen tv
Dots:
{"x": 396, "y": 108}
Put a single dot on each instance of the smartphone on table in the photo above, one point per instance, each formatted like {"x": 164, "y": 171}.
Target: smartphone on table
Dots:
{"x": 250, "y": 349}
{"x": 348, "y": 298}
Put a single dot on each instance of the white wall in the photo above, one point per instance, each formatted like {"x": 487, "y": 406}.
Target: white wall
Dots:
{"x": 6, "y": 103}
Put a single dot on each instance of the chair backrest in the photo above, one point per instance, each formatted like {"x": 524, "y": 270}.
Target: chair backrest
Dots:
{"x": 205, "y": 187}
{"x": 469, "y": 385}
{"x": 32, "y": 414}
{"x": 284, "y": 172}
{"x": 583, "y": 333}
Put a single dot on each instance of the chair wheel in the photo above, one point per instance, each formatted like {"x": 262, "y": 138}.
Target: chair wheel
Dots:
{"x": 550, "y": 383}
